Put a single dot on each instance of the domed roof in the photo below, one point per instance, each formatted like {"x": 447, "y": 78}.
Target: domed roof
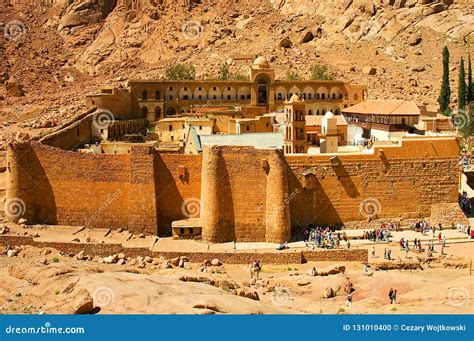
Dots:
{"x": 329, "y": 115}
{"x": 261, "y": 62}
{"x": 294, "y": 98}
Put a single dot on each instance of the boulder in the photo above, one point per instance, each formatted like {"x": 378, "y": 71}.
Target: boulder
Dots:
{"x": 80, "y": 256}
{"x": 418, "y": 68}
{"x": 414, "y": 40}
{"x": 82, "y": 302}
{"x": 13, "y": 253}
{"x": 215, "y": 262}
{"x": 285, "y": 43}
{"x": 174, "y": 261}
{"x": 13, "y": 87}
{"x": 253, "y": 295}
{"x": 369, "y": 70}
{"x": 307, "y": 37}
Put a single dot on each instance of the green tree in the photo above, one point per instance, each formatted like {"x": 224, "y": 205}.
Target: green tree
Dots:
{"x": 462, "y": 87}
{"x": 239, "y": 77}
{"x": 292, "y": 76}
{"x": 320, "y": 72}
{"x": 470, "y": 86}
{"x": 445, "y": 94}
{"x": 224, "y": 73}
{"x": 181, "y": 72}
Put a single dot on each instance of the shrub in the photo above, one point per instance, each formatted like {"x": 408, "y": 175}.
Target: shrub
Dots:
{"x": 292, "y": 76}
{"x": 181, "y": 72}
{"x": 320, "y": 73}
{"x": 55, "y": 260}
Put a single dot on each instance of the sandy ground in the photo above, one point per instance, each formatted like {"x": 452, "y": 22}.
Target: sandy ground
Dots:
{"x": 442, "y": 285}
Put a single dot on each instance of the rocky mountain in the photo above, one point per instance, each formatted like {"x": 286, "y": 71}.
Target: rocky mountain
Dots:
{"x": 55, "y": 51}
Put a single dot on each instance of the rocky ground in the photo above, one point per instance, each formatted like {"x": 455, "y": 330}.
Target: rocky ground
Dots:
{"x": 35, "y": 281}
{"x": 52, "y": 55}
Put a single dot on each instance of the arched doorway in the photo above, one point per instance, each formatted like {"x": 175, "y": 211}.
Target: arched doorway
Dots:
{"x": 171, "y": 111}
{"x": 144, "y": 112}
{"x": 157, "y": 113}
{"x": 262, "y": 92}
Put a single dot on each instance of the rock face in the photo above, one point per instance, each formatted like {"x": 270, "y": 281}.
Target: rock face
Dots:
{"x": 13, "y": 87}
{"x": 83, "y": 12}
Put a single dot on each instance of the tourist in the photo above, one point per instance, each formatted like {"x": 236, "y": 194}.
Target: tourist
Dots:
{"x": 385, "y": 253}
{"x": 373, "y": 251}
{"x": 349, "y": 300}
{"x": 389, "y": 254}
{"x": 390, "y": 295}
{"x": 394, "y": 296}
{"x": 314, "y": 272}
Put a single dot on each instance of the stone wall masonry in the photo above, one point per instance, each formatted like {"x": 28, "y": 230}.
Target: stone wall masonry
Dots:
{"x": 241, "y": 194}
{"x": 402, "y": 181}
{"x": 239, "y": 257}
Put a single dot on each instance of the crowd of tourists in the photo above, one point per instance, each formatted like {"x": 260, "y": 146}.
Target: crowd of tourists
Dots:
{"x": 324, "y": 237}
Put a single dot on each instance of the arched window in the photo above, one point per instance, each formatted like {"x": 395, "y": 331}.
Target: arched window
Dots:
{"x": 157, "y": 113}
{"x": 323, "y": 96}
{"x": 333, "y": 96}
{"x": 145, "y": 95}
{"x": 144, "y": 112}
{"x": 356, "y": 97}
{"x": 279, "y": 96}
{"x": 310, "y": 95}
{"x": 317, "y": 112}
{"x": 157, "y": 94}
{"x": 317, "y": 96}
{"x": 310, "y": 112}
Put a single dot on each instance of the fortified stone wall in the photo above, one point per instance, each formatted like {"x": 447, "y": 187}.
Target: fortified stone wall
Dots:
{"x": 242, "y": 188}
{"x": 178, "y": 188}
{"x": 68, "y": 188}
{"x": 240, "y": 193}
{"x": 74, "y": 134}
{"x": 394, "y": 181}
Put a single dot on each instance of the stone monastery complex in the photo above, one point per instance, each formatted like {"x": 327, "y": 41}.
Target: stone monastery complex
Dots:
{"x": 224, "y": 161}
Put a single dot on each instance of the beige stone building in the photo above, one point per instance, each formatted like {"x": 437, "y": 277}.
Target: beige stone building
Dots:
{"x": 262, "y": 93}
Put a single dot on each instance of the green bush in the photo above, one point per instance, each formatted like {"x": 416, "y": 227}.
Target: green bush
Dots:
{"x": 55, "y": 260}
{"x": 292, "y": 76}
{"x": 181, "y": 72}
{"x": 224, "y": 73}
{"x": 320, "y": 73}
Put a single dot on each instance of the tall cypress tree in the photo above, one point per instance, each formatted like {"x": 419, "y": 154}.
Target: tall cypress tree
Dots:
{"x": 462, "y": 87}
{"x": 470, "y": 86}
{"x": 445, "y": 95}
